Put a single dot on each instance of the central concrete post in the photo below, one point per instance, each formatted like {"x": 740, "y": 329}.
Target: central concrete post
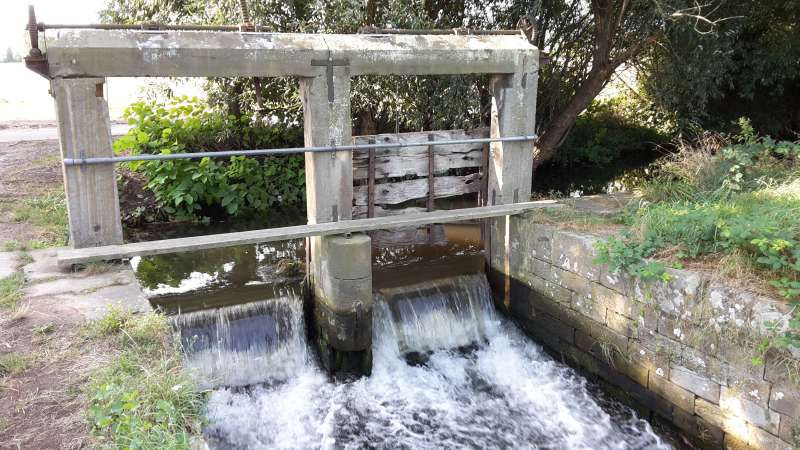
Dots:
{"x": 510, "y": 164}
{"x": 340, "y": 269}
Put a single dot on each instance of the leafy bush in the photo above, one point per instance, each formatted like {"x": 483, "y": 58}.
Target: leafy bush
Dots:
{"x": 606, "y": 132}
{"x": 204, "y": 187}
{"x": 741, "y": 198}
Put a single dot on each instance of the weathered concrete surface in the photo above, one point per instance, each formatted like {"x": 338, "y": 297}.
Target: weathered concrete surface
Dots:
{"x": 73, "y": 53}
{"x": 84, "y": 130}
{"x": 680, "y": 349}
{"x": 89, "y": 295}
{"x": 8, "y": 264}
{"x": 343, "y": 302}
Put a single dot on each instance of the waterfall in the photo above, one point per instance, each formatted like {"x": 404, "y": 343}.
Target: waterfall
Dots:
{"x": 502, "y": 391}
{"x": 439, "y": 314}
{"x": 245, "y": 344}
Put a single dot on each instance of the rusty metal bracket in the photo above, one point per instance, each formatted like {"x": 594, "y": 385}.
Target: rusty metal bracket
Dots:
{"x": 35, "y": 61}
{"x": 328, "y": 64}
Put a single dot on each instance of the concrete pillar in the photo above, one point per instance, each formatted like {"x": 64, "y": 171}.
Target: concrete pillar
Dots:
{"x": 340, "y": 270}
{"x": 85, "y": 131}
{"x": 343, "y": 303}
{"x": 510, "y": 163}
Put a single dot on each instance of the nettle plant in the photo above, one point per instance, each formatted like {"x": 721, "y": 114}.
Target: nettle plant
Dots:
{"x": 209, "y": 186}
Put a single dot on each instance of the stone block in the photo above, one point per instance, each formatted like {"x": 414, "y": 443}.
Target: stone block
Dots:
{"x": 587, "y": 306}
{"x": 697, "y": 428}
{"x": 734, "y": 443}
{"x": 678, "y": 296}
{"x": 540, "y": 237}
{"x": 734, "y": 402}
{"x": 572, "y": 281}
{"x": 44, "y": 266}
{"x": 549, "y": 289}
{"x": 734, "y": 307}
{"x": 632, "y": 368}
{"x": 621, "y": 324}
{"x": 618, "y": 280}
{"x": 80, "y": 284}
{"x": 544, "y": 304}
{"x": 8, "y": 264}
{"x": 542, "y": 269}
{"x": 761, "y": 439}
{"x": 345, "y": 295}
{"x": 695, "y": 383}
{"x": 655, "y": 362}
{"x": 785, "y": 398}
{"x": 615, "y": 301}
{"x": 661, "y": 345}
{"x": 710, "y": 412}
{"x": 789, "y": 430}
{"x": 540, "y": 335}
{"x": 555, "y": 327}
{"x": 675, "y": 394}
{"x": 575, "y": 253}
{"x": 705, "y": 365}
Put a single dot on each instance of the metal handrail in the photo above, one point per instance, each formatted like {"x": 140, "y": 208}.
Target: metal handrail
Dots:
{"x": 287, "y": 151}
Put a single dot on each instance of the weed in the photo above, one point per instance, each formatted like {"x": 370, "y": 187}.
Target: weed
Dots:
{"x": 144, "y": 399}
{"x": 12, "y": 364}
{"x": 11, "y": 290}
{"x": 48, "y": 213}
{"x": 43, "y": 330}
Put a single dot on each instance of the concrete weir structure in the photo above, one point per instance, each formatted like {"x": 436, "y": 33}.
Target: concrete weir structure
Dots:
{"x": 78, "y": 60}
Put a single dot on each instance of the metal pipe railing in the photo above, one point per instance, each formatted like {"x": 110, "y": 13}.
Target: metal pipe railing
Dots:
{"x": 287, "y": 151}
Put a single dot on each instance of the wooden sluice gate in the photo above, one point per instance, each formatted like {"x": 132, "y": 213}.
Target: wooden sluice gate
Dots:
{"x": 368, "y": 179}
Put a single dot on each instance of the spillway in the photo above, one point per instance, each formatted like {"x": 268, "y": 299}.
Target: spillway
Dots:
{"x": 481, "y": 384}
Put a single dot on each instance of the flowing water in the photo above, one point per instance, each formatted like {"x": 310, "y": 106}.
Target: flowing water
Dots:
{"x": 483, "y": 384}
{"x": 245, "y": 344}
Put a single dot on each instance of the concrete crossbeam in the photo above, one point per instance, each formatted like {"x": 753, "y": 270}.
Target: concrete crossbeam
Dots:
{"x": 84, "y": 53}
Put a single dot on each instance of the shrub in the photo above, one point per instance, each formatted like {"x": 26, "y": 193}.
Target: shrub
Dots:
{"x": 739, "y": 196}
{"x": 209, "y": 186}
{"x": 604, "y": 133}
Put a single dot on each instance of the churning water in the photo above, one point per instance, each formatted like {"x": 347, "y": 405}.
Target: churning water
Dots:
{"x": 497, "y": 390}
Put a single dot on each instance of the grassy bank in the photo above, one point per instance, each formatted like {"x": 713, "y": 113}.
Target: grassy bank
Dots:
{"x": 144, "y": 399}
{"x": 729, "y": 204}
{"x": 45, "y": 215}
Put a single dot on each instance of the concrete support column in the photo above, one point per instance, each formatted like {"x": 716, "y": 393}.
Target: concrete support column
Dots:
{"x": 85, "y": 132}
{"x": 343, "y": 303}
{"x": 510, "y": 163}
{"x": 340, "y": 270}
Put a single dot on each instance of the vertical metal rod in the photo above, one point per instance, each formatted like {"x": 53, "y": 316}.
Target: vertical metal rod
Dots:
{"x": 431, "y": 173}
{"x": 371, "y": 182}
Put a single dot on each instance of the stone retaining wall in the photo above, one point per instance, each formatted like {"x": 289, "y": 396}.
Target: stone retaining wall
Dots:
{"x": 681, "y": 350}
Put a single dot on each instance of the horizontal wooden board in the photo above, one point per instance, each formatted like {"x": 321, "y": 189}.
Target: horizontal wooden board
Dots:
{"x": 403, "y": 191}
{"x": 413, "y": 161}
{"x": 360, "y": 212}
{"x": 110, "y": 252}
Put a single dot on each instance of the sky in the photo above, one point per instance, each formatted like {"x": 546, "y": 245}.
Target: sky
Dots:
{"x": 14, "y": 17}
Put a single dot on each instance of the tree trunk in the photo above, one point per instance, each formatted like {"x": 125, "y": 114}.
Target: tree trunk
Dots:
{"x": 557, "y": 129}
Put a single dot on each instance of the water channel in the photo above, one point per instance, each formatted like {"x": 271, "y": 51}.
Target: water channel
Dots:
{"x": 448, "y": 371}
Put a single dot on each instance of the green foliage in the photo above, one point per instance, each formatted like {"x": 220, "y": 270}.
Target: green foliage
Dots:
{"x": 191, "y": 188}
{"x": 11, "y": 290}
{"x": 606, "y": 131}
{"x": 746, "y": 66}
{"x": 744, "y": 199}
{"x": 13, "y": 363}
{"x": 144, "y": 399}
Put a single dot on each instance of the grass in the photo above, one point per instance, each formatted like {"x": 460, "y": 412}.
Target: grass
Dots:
{"x": 144, "y": 399}
{"x": 48, "y": 213}
{"x": 11, "y": 290}
{"x": 13, "y": 363}
{"x": 729, "y": 203}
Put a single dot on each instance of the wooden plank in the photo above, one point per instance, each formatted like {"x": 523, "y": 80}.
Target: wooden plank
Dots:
{"x": 403, "y": 191}
{"x": 360, "y": 211}
{"x": 80, "y": 256}
{"x": 413, "y": 161}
